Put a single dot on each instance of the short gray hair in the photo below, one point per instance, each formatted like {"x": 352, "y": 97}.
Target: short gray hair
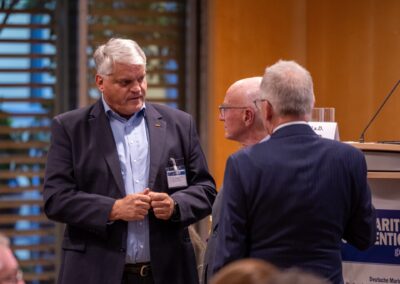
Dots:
{"x": 289, "y": 88}
{"x": 117, "y": 50}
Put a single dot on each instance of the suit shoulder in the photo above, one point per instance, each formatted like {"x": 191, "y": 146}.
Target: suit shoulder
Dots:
{"x": 74, "y": 116}
{"x": 344, "y": 148}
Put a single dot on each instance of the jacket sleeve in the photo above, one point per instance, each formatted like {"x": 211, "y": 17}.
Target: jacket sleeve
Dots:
{"x": 360, "y": 230}
{"x": 195, "y": 201}
{"x": 63, "y": 200}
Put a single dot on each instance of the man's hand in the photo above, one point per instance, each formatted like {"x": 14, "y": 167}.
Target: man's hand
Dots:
{"x": 163, "y": 205}
{"x": 132, "y": 207}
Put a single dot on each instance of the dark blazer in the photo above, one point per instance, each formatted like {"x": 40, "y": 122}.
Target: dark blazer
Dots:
{"x": 83, "y": 180}
{"x": 291, "y": 200}
{"x": 209, "y": 255}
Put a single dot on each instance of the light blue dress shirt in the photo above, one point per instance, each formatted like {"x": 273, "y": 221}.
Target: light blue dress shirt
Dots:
{"x": 131, "y": 139}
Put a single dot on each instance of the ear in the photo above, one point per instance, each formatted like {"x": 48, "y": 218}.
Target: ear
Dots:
{"x": 270, "y": 111}
{"x": 100, "y": 82}
{"x": 248, "y": 117}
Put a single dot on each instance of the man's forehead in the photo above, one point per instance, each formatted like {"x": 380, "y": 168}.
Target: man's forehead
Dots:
{"x": 235, "y": 95}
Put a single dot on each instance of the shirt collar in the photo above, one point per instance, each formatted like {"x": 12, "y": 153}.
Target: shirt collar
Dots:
{"x": 289, "y": 123}
{"x": 110, "y": 113}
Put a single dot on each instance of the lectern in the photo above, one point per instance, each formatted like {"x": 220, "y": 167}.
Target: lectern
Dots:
{"x": 381, "y": 263}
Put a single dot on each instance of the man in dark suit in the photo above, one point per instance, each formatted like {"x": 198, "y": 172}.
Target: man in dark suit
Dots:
{"x": 292, "y": 199}
{"x": 127, "y": 177}
{"x": 243, "y": 122}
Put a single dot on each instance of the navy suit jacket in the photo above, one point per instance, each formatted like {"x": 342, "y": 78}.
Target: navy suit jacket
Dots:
{"x": 83, "y": 179}
{"x": 291, "y": 200}
{"x": 209, "y": 255}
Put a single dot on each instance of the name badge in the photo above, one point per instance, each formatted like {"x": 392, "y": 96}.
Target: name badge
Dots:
{"x": 176, "y": 175}
{"x": 176, "y": 178}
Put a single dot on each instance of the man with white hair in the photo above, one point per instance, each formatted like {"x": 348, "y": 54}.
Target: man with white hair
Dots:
{"x": 292, "y": 199}
{"x": 128, "y": 178}
{"x": 243, "y": 122}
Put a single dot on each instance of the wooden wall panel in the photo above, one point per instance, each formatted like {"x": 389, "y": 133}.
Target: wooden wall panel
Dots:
{"x": 351, "y": 49}
{"x": 352, "y": 52}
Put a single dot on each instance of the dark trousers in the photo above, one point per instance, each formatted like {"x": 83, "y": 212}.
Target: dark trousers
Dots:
{"x": 138, "y": 273}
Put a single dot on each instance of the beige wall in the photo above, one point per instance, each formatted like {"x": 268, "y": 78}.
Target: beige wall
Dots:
{"x": 351, "y": 48}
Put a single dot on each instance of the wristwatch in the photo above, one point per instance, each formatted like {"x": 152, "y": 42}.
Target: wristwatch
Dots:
{"x": 176, "y": 214}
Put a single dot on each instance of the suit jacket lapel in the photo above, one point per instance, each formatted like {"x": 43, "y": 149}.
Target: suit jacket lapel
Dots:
{"x": 101, "y": 129}
{"x": 157, "y": 130}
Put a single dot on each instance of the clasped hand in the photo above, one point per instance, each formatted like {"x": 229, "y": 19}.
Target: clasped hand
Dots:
{"x": 134, "y": 207}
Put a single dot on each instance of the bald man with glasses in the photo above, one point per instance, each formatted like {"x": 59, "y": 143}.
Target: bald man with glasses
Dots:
{"x": 243, "y": 122}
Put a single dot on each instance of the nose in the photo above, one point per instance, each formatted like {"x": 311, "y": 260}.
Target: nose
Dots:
{"x": 221, "y": 117}
{"x": 135, "y": 87}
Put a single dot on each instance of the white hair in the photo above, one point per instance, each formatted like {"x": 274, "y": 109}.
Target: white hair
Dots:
{"x": 117, "y": 50}
{"x": 289, "y": 88}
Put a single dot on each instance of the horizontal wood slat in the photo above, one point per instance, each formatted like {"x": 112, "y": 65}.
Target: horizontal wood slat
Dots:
{"x": 19, "y": 189}
{"x": 28, "y": 100}
{"x": 24, "y": 114}
{"x": 35, "y": 247}
{"x": 30, "y": 41}
{"x": 28, "y": 11}
{"x": 26, "y": 55}
{"x": 7, "y": 218}
{"x": 22, "y": 145}
{"x": 15, "y": 174}
{"x": 43, "y": 276}
{"x": 129, "y": 28}
{"x": 34, "y": 262}
{"x": 29, "y": 85}
{"x": 27, "y": 70}
{"x": 37, "y": 232}
{"x": 26, "y": 26}
{"x": 19, "y": 159}
{"x": 8, "y": 130}
{"x": 4, "y": 204}
{"x": 133, "y": 13}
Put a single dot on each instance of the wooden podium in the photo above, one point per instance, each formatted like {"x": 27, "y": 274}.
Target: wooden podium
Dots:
{"x": 381, "y": 263}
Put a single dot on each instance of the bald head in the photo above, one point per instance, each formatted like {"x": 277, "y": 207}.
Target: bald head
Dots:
{"x": 242, "y": 118}
{"x": 244, "y": 91}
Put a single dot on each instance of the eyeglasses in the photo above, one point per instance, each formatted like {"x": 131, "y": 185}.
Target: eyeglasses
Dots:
{"x": 12, "y": 279}
{"x": 223, "y": 108}
{"x": 259, "y": 100}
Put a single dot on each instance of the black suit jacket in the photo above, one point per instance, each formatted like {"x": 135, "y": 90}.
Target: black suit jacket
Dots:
{"x": 83, "y": 179}
{"x": 291, "y": 200}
